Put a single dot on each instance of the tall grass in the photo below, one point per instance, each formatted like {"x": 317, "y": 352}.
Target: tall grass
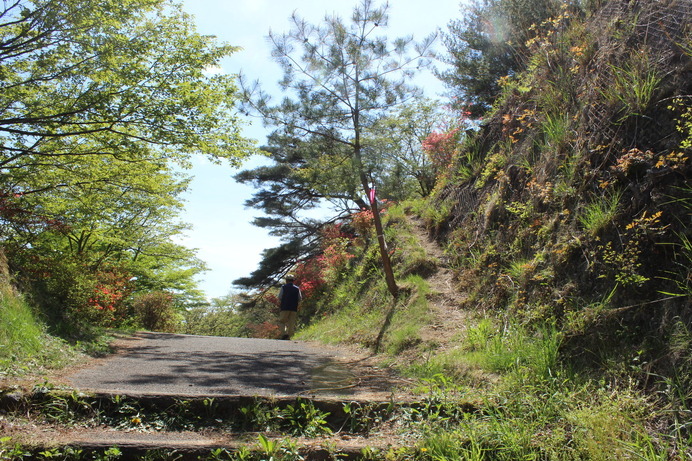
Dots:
{"x": 514, "y": 349}
{"x": 25, "y": 346}
{"x": 556, "y": 131}
{"x": 20, "y": 333}
{"x": 633, "y": 86}
{"x": 600, "y": 213}
{"x": 558, "y": 419}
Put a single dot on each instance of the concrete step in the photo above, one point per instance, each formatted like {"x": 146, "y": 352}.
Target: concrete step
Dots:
{"x": 195, "y": 427}
{"x": 94, "y": 443}
{"x": 67, "y": 403}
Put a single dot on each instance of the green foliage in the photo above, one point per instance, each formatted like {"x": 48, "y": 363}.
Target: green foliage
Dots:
{"x": 489, "y": 43}
{"x": 633, "y": 86}
{"x": 361, "y": 418}
{"x": 299, "y": 419}
{"x": 600, "y": 213}
{"x": 141, "y": 86}
{"x": 25, "y": 346}
{"x": 558, "y": 421}
{"x": 12, "y": 452}
{"x": 155, "y": 311}
{"x": 682, "y": 280}
{"x": 450, "y": 445}
{"x": 304, "y": 419}
{"x": 556, "y": 129}
{"x": 222, "y": 318}
{"x": 570, "y": 222}
{"x": 279, "y": 450}
{"x": 682, "y": 107}
{"x": 513, "y": 350}
{"x": 404, "y": 331}
{"x": 406, "y": 167}
{"x": 369, "y": 75}
{"x": 493, "y": 165}
{"x": 344, "y": 318}
{"x": 20, "y": 333}
{"x": 101, "y": 107}
{"x": 370, "y": 319}
{"x": 437, "y": 215}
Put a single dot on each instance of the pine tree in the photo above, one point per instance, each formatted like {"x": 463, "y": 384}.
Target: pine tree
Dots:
{"x": 339, "y": 79}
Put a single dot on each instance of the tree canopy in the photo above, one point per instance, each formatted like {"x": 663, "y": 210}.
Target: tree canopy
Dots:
{"x": 339, "y": 79}
{"x": 487, "y": 43}
{"x": 102, "y": 104}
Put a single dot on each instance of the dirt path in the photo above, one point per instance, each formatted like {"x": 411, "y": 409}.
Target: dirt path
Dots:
{"x": 447, "y": 300}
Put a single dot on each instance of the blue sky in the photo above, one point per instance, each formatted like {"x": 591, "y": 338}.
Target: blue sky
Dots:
{"x": 221, "y": 230}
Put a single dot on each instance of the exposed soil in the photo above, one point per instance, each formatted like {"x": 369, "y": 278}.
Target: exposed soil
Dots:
{"x": 447, "y": 300}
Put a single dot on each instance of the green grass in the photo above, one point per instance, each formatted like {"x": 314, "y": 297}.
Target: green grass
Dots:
{"x": 556, "y": 131}
{"x": 634, "y": 86}
{"x": 556, "y": 419}
{"x": 20, "y": 333}
{"x": 26, "y": 347}
{"x": 359, "y": 309}
{"x": 407, "y": 321}
{"x": 600, "y": 213}
{"x": 511, "y": 350}
{"x": 529, "y": 403}
{"x": 351, "y": 313}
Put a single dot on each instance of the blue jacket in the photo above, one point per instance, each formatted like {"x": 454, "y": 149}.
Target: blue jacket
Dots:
{"x": 290, "y": 296}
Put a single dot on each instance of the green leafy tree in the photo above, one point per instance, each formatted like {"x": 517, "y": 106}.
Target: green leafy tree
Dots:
{"x": 91, "y": 88}
{"x": 339, "y": 78}
{"x": 101, "y": 104}
{"x": 223, "y": 317}
{"x": 488, "y": 43}
{"x": 300, "y": 178}
{"x": 399, "y": 137}
{"x": 110, "y": 78}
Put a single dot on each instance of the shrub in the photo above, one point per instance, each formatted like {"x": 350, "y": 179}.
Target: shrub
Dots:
{"x": 266, "y": 330}
{"x": 154, "y": 311}
{"x": 440, "y": 147}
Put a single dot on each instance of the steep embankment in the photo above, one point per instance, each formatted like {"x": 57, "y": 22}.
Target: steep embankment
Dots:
{"x": 572, "y": 203}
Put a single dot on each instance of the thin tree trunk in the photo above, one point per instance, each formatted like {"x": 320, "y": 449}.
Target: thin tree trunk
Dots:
{"x": 357, "y": 157}
{"x": 384, "y": 252}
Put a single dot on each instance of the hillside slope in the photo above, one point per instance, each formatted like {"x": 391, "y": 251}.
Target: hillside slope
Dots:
{"x": 573, "y": 203}
{"x": 561, "y": 291}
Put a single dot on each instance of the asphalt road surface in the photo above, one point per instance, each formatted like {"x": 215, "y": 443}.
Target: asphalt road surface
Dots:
{"x": 168, "y": 364}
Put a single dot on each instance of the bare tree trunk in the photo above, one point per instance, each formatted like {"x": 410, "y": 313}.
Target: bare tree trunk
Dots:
{"x": 357, "y": 156}
{"x": 384, "y": 252}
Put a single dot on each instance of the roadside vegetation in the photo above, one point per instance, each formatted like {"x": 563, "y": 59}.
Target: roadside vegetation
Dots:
{"x": 103, "y": 107}
{"x": 25, "y": 344}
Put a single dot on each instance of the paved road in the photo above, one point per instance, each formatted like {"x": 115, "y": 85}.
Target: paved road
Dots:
{"x": 156, "y": 363}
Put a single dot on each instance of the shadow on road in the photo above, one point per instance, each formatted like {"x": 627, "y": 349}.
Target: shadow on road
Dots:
{"x": 194, "y": 365}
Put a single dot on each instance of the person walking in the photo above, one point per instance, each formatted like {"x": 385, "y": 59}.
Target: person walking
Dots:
{"x": 290, "y": 297}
